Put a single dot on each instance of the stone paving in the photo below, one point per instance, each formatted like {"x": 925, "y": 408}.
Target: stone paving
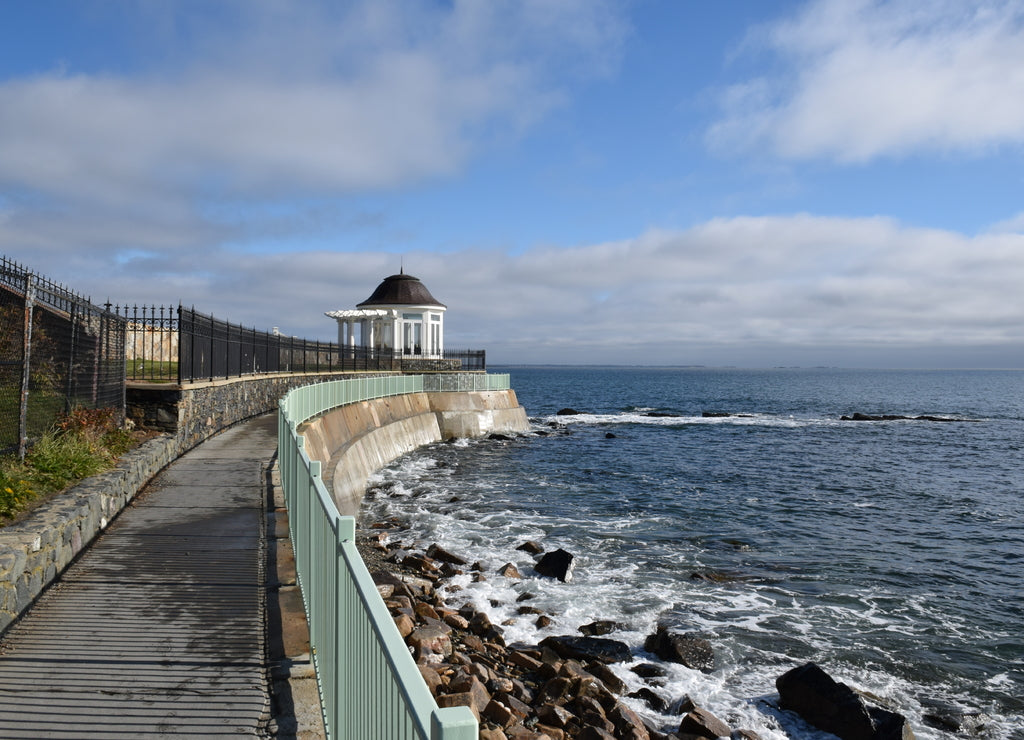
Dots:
{"x": 158, "y": 630}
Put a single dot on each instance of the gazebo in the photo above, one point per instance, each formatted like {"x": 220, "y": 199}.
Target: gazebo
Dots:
{"x": 400, "y": 317}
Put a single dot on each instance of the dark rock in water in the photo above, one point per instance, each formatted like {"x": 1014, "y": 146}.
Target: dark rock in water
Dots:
{"x": 609, "y": 435}
{"x": 567, "y": 412}
{"x": 896, "y": 417}
{"x": 436, "y": 552}
{"x": 715, "y": 414}
{"x": 689, "y": 649}
{"x": 499, "y": 437}
{"x": 588, "y": 648}
{"x": 835, "y": 707}
{"x": 944, "y": 716}
{"x": 556, "y": 564}
{"x": 600, "y": 627}
{"x": 661, "y": 415}
{"x": 649, "y": 670}
{"x": 702, "y": 723}
{"x": 531, "y": 547}
{"x": 651, "y": 699}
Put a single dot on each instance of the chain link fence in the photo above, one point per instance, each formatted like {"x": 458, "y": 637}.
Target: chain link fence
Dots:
{"x": 58, "y": 351}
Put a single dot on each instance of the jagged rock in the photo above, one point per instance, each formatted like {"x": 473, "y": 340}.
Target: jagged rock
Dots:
{"x": 609, "y": 435}
{"x": 531, "y": 547}
{"x": 744, "y": 735}
{"x": 498, "y": 437}
{"x": 651, "y": 699}
{"x": 479, "y": 696}
{"x": 835, "y": 707}
{"x": 436, "y": 552}
{"x": 557, "y": 564}
{"x": 554, "y": 715}
{"x": 430, "y": 677}
{"x": 405, "y": 625}
{"x": 945, "y": 716}
{"x": 607, "y": 675}
{"x": 649, "y": 670}
{"x": 702, "y": 723}
{"x": 430, "y": 644}
{"x": 543, "y": 621}
{"x": 715, "y": 414}
{"x": 509, "y": 570}
{"x": 690, "y": 649}
{"x": 588, "y": 648}
{"x": 661, "y": 415}
{"x": 600, "y": 627}
{"x": 567, "y": 412}
{"x": 627, "y": 723}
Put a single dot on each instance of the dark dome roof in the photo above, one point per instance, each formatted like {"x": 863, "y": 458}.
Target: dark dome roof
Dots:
{"x": 401, "y": 290}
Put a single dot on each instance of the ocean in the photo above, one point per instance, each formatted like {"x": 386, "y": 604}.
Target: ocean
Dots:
{"x": 890, "y": 553}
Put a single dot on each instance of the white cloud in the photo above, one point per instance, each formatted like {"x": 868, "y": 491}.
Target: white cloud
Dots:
{"x": 309, "y": 96}
{"x": 863, "y": 79}
{"x": 789, "y": 286}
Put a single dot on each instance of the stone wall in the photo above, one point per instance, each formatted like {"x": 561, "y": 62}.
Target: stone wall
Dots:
{"x": 37, "y": 549}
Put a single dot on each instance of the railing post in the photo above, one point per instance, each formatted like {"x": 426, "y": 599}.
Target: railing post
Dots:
{"x": 453, "y": 723}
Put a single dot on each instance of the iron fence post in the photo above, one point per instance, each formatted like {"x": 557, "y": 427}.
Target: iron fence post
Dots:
{"x": 26, "y": 375}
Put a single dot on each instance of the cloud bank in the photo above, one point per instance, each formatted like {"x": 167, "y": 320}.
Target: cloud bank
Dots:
{"x": 855, "y": 80}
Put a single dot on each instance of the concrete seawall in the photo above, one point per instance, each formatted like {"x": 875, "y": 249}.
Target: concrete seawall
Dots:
{"x": 355, "y": 440}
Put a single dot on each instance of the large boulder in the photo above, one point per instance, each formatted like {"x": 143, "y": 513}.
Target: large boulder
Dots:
{"x": 835, "y": 707}
{"x": 556, "y": 564}
{"x": 588, "y": 648}
{"x": 687, "y": 648}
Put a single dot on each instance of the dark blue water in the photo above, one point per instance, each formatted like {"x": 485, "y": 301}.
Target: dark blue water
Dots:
{"x": 890, "y": 553}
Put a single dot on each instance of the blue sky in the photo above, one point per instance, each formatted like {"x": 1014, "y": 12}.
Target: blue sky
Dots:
{"x": 835, "y": 182}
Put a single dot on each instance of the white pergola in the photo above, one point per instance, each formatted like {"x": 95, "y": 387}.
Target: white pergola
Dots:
{"x": 419, "y": 329}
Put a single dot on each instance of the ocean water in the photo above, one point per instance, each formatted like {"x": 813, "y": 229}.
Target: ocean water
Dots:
{"x": 891, "y": 553}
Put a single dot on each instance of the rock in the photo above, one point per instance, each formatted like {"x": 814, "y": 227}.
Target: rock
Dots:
{"x": 480, "y": 697}
{"x": 627, "y": 723}
{"x": 715, "y": 414}
{"x": 744, "y": 735}
{"x": 431, "y": 644}
{"x": 543, "y": 621}
{"x": 405, "y": 625}
{"x": 588, "y": 648}
{"x": 557, "y": 564}
{"x": 688, "y": 648}
{"x": 498, "y": 437}
{"x": 567, "y": 412}
{"x": 436, "y": 552}
{"x": 702, "y": 723}
{"x": 648, "y": 670}
{"x": 896, "y": 417}
{"x": 600, "y": 627}
{"x": 661, "y": 415}
{"x": 509, "y": 570}
{"x": 430, "y": 677}
{"x": 835, "y": 707}
{"x": 951, "y": 718}
{"x": 531, "y": 547}
{"x": 609, "y": 435}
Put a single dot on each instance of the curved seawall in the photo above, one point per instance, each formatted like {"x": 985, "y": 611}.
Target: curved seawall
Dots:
{"x": 355, "y": 440}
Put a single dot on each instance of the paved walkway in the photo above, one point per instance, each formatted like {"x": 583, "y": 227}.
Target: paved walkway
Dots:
{"x": 158, "y": 629}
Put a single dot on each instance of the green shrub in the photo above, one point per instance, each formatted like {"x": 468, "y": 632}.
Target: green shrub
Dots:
{"x": 61, "y": 458}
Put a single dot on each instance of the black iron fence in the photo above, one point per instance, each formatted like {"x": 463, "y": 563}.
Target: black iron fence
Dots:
{"x": 58, "y": 351}
{"x": 183, "y": 345}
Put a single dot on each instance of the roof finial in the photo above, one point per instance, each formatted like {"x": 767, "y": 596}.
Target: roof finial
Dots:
{"x": 401, "y": 264}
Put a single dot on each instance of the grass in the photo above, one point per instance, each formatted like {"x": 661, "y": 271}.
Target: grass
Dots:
{"x": 155, "y": 371}
{"x": 81, "y": 444}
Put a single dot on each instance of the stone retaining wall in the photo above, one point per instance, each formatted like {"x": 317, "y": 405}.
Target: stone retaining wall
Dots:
{"x": 36, "y": 550}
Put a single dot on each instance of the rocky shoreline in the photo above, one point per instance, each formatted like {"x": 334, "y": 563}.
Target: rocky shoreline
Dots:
{"x": 563, "y": 687}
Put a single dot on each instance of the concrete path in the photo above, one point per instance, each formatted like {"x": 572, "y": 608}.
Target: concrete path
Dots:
{"x": 158, "y": 629}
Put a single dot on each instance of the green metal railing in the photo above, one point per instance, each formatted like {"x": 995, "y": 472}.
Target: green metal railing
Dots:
{"x": 369, "y": 684}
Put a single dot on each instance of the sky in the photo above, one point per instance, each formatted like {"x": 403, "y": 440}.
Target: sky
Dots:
{"x": 635, "y": 182}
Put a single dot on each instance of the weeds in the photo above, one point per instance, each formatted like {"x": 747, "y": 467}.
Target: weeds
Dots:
{"x": 82, "y": 443}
